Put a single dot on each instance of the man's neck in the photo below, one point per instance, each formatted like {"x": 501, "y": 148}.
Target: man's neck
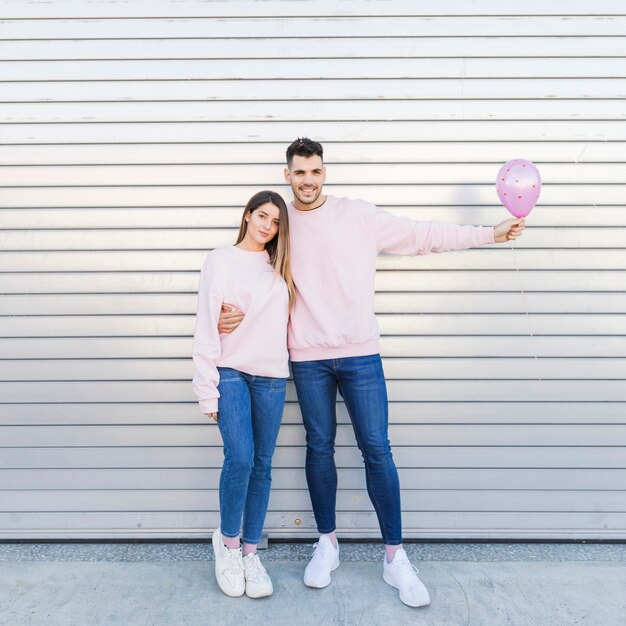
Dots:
{"x": 309, "y": 207}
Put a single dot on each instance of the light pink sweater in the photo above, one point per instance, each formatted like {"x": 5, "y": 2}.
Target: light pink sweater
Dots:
{"x": 333, "y": 262}
{"x": 259, "y": 345}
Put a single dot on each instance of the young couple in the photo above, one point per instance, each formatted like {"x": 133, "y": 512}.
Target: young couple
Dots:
{"x": 299, "y": 284}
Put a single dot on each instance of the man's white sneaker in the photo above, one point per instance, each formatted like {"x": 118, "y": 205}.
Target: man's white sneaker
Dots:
{"x": 228, "y": 567}
{"x": 403, "y": 576}
{"x": 325, "y": 560}
{"x": 258, "y": 582}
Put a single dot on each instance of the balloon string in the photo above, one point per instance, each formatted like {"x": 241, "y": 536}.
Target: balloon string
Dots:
{"x": 524, "y": 304}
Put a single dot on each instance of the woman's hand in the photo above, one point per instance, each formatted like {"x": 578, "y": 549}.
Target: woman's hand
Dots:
{"x": 213, "y": 415}
{"x": 509, "y": 230}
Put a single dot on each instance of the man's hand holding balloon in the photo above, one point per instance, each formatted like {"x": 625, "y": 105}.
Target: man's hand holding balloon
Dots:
{"x": 509, "y": 230}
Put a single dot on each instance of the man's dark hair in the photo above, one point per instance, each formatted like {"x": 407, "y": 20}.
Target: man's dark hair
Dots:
{"x": 303, "y": 146}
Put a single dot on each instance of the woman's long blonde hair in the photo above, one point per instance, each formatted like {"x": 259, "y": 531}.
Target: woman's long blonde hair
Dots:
{"x": 278, "y": 247}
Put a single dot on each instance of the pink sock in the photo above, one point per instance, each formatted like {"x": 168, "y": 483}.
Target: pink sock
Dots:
{"x": 231, "y": 542}
{"x": 249, "y": 548}
{"x": 332, "y": 537}
{"x": 390, "y": 552}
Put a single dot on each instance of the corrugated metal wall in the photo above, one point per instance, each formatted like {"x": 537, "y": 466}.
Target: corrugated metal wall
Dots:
{"x": 133, "y": 133}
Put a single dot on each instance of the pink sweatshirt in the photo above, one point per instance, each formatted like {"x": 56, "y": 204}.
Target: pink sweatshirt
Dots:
{"x": 259, "y": 345}
{"x": 333, "y": 262}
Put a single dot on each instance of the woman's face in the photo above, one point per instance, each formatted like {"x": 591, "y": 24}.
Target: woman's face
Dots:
{"x": 262, "y": 225}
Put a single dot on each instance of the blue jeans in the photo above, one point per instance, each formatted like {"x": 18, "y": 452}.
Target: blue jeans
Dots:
{"x": 250, "y": 411}
{"x": 361, "y": 382}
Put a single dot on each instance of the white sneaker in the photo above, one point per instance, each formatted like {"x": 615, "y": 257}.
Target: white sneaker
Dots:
{"x": 324, "y": 561}
{"x": 228, "y": 567}
{"x": 258, "y": 582}
{"x": 403, "y": 576}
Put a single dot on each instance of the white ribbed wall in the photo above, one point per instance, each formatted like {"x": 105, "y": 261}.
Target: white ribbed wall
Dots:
{"x": 132, "y": 135}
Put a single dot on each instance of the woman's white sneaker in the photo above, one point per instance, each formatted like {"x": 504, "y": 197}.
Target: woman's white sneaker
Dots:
{"x": 403, "y": 576}
{"x": 228, "y": 567}
{"x": 258, "y": 582}
{"x": 325, "y": 560}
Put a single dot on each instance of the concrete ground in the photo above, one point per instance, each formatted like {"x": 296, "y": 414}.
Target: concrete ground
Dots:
{"x": 172, "y": 584}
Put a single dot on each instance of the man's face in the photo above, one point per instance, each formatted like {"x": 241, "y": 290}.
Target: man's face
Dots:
{"x": 306, "y": 177}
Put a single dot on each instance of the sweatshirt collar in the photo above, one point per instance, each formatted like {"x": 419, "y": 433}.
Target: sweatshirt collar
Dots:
{"x": 316, "y": 210}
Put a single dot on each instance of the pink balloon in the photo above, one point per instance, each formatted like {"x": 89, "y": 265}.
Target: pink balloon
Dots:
{"x": 518, "y": 185}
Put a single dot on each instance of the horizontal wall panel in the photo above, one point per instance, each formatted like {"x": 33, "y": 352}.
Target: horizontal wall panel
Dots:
{"x": 339, "y": 174}
{"x": 503, "y": 258}
{"x": 294, "y": 69}
{"x": 286, "y": 132}
{"x": 277, "y": 8}
{"x": 311, "y": 109}
{"x": 400, "y": 390}
{"x": 406, "y": 346}
{"x": 496, "y": 346}
{"x": 335, "y": 152}
{"x": 291, "y": 478}
{"x": 298, "y": 27}
{"x": 411, "y": 412}
{"x": 409, "y": 280}
{"x": 316, "y": 47}
{"x": 247, "y": 91}
{"x": 407, "y": 368}
{"x": 419, "y": 412}
{"x": 205, "y": 239}
{"x": 391, "y": 302}
{"x": 477, "y": 456}
{"x": 489, "y": 258}
{"x": 64, "y": 304}
{"x": 286, "y": 500}
{"x": 293, "y": 434}
{"x": 228, "y": 217}
{"x": 419, "y": 193}
{"x": 389, "y": 324}
{"x": 200, "y": 525}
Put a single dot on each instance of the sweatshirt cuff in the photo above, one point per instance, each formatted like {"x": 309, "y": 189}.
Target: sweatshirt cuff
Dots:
{"x": 208, "y": 406}
{"x": 487, "y": 235}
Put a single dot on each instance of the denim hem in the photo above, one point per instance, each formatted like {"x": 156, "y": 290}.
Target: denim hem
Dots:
{"x": 252, "y": 543}
{"x": 229, "y": 536}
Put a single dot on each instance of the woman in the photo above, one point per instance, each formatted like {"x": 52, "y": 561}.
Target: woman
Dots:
{"x": 240, "y": 380}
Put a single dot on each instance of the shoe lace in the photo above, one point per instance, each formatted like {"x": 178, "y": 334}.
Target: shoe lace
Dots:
{"x": 319, "y": 546}
{"x": 406, "y": 564}
{"x": 256, "y": 571}
{"x": 233, "y": 561}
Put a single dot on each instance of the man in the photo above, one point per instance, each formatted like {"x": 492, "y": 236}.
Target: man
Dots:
{"x": 334, "y": 345}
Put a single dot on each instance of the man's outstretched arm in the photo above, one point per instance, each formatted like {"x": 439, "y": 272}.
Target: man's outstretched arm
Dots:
{"x": 403, "y": 236}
